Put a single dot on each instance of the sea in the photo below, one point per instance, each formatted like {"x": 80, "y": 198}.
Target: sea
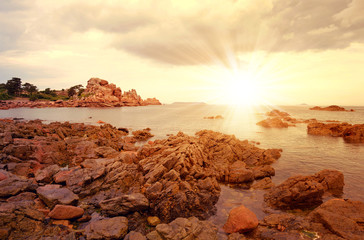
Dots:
{"x": 302, "y": 154}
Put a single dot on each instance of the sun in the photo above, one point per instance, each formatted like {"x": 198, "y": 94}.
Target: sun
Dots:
{"x": 243, "y": 89}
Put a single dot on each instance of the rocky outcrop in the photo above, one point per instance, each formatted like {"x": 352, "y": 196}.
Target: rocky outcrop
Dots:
{"x": 305, "y": 191}
{"x": 343, "y": 218}
{"x": 331, "y": 108}
{"x": 277, "y": 113}
{"x": 98, "y": 93}
{"x": 182, "y": 172}
{"x": 240, "y": 219}
{"x": 273, "y": 123}
{"x": 142, "y": 135}
{"x": 350, "y": 133}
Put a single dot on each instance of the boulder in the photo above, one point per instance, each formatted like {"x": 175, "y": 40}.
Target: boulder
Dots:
{"x": 240, "y": 219}
{"x": 64, "y": 212}
{"x": 54, "y": 194}
{"x": 125, "y": 204}
{"x": 354, "y": 134}
{"x": 305, "y": 191}
{"x": 239, "y": 174}
{"x": 153, "y": 221}
{"x": 110, "y": 228}
{"x": 342, "y": 217}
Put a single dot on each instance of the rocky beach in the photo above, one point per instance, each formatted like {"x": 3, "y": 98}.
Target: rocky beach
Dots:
{"x": 79, "y": 181}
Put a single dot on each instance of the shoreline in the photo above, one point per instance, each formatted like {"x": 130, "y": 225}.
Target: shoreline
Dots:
{"x": 81, "y": 159}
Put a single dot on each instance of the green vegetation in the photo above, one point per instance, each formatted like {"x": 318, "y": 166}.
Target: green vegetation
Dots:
{"x": 14, "y": 88}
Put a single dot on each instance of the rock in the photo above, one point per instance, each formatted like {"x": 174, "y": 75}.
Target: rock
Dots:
{"x": 240, "y": 219}
{"x": 100, "y": 92}
{"x": 151, "y": 101}
{"x": 110, "y": 228}
{"x": 64, "y": 212}
{"x": 46, "y": 174}
{"x": 296, "y": 192}
{"x": 135, "y": 236}
{"x": 305, "y": 191}
{"x": 273, "y": 123}
{"x": 153, "y": 221}
{"x": 239, "y": 174}
{"x": 236, "y": 236}
{"x": 263, "y": 171}
{"x": 331, "y": 180}
{"x": 354, "y": 134}
{"x": 330, "y": 108}
{"x": 331, "y": 129}
{"x": 142, "y": 135}
{"x": 54, "y": 194}
{"x": 214, "y": 117}
{"x": 342, "y": 217}
{"x": 265, "y": 183}
{"x": 3, "y": 176}
{"x": 277, "y": 113}
{"x": 13, "y": 185}
{"x": 124, "y": 204}
{"x": 183, "y": 228}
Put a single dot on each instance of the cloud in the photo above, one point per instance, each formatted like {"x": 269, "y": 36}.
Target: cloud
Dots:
{"x": 189, "y": 32}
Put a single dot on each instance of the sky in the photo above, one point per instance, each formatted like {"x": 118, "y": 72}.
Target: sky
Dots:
{"x": 216, "y": 51}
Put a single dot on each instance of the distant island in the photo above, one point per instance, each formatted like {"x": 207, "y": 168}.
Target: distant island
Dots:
{"x": 331, "y": 108}
{"x": 98, "y": 93}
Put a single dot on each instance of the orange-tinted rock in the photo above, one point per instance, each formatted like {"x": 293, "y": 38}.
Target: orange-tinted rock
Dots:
{"x": 240, "y": 219}
{"x": 2, "y": 176}
{"x": 305, "y": 191}
{"x": 331, "y": 108}
{"x": 277, "y": 113}
{"x": 273, "y": 123}
{"x": 64, "y": 212}
{"x": 142, "y": 135}
{"x": 350, "y": 133}
{"x": 341, "y": 217}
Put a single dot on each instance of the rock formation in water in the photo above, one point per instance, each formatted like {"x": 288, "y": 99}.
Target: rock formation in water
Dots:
{"x": 349, "y": 132}
{"x": 331, "y": 108}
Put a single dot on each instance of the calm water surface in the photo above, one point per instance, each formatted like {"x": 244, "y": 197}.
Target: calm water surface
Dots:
{"x": 302, "y": 154}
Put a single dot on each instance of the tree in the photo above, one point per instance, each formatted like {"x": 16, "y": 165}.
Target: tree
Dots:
{"x": 30, "y": 88}
{"x": 75, "y": 90}
{"x": 47, "y": 91}
{"x": 13, "y": 86}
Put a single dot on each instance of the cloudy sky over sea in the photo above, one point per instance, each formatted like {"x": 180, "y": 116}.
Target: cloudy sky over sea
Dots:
{"x": 273, "y": 51}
